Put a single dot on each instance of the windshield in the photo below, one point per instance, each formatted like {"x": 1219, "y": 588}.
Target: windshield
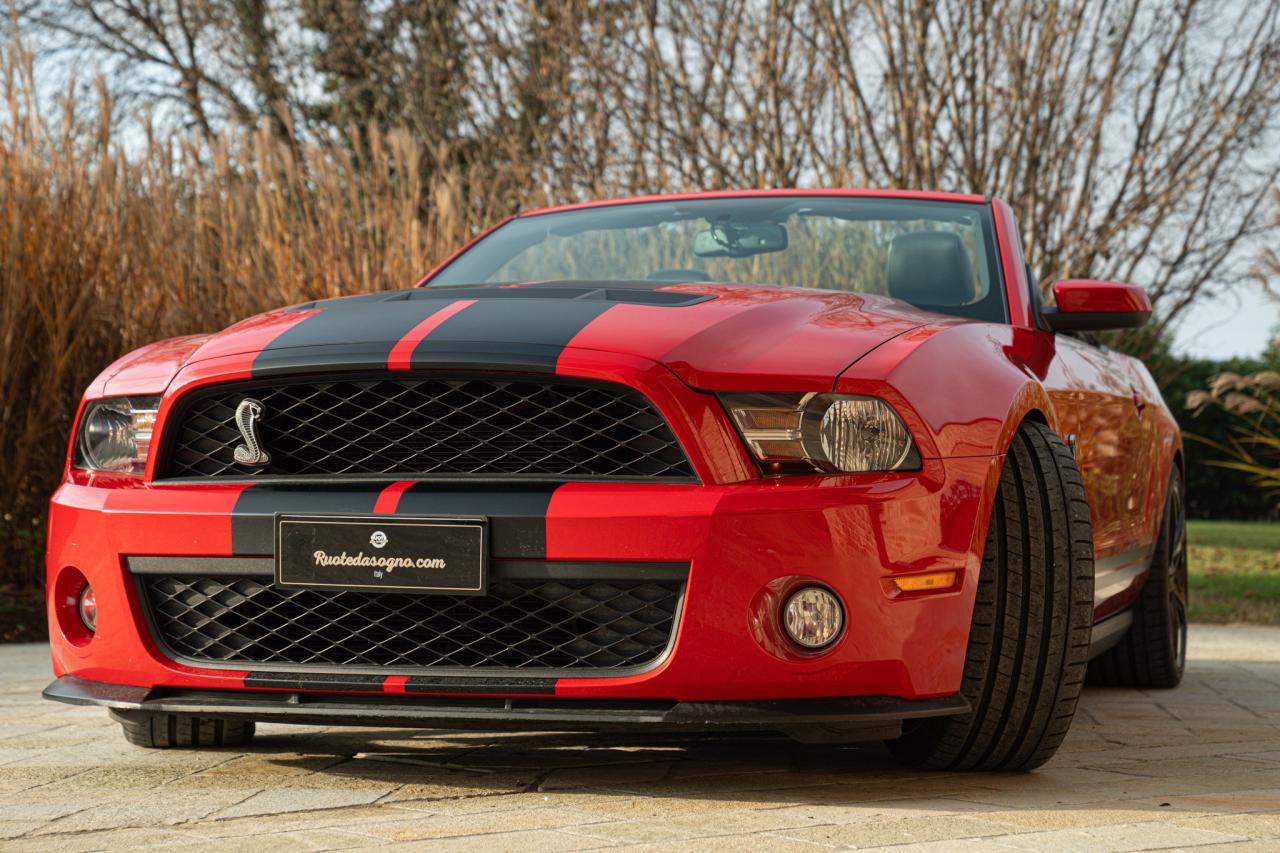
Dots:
{"x": 936, "y": 255}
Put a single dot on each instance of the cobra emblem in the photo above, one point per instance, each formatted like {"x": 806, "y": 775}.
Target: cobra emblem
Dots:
{"x": 248, "y": 413}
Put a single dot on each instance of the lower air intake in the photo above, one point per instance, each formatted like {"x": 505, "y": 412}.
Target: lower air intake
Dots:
{"x": 518, "y": 625}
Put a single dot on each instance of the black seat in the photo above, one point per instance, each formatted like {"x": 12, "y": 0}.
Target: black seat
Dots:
{"x": 930, "y": 269}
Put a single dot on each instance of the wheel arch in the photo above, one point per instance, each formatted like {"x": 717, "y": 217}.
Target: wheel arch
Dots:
{"x": 966, "y": 387}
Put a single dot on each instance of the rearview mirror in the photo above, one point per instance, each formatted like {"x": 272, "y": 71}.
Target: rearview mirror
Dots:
{"x": 1086, "y": 305}
{"x": 740, "y": 241}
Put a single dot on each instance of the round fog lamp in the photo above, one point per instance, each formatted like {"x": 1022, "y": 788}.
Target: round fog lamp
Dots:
{"x": 813, "y": 617}
{"x": 89, "y": 609}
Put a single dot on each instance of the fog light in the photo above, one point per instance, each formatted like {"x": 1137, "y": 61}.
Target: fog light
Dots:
{"x": 813, "y": 617}
{"x": 89, "y": 609}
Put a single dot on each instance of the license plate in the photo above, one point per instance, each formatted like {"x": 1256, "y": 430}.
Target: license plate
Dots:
{"x": 444, "y": 555}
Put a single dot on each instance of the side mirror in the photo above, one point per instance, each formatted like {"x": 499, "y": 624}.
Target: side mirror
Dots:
{"x": 1085, "y": 305}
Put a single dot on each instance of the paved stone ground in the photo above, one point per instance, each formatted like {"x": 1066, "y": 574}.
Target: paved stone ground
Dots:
{"x": 1194, "y": 767}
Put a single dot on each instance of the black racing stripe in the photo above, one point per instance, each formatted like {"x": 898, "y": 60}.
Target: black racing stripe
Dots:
{"x": 476, "y": 684}
{"x": 525, "y": 333}
{"x": 327, "y": 359}
{"x": 355, "y": 332}
{"x": 315, "y": 681}
{"x": 253, "y": 518}
{"x": 380, "y": 296}
{"x": 517, "y": 515}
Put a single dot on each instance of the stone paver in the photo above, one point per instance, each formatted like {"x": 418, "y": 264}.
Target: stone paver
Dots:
{"x": 1197, "y": 767}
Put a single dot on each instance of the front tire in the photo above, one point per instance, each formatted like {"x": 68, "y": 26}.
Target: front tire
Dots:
{"x": 170, "y": 731}
{"x": 1032, "y": 619}
{"x": 1153, "y": 652}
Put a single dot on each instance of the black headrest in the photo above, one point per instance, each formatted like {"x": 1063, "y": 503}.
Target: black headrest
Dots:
{"x": 930, "y": 268}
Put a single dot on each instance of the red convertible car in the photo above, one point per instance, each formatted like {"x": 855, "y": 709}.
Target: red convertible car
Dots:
{"x": 813, "y": 462}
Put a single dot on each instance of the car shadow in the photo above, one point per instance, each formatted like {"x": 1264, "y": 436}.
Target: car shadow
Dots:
{"x": 745, "y": 768}
{"x": 1207, "y": 746}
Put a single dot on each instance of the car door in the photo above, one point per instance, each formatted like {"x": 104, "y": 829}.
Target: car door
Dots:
{"x": 1148, "y": 475}
{"x": 1100, "y": 411}
{"x": 1093, "y": 392}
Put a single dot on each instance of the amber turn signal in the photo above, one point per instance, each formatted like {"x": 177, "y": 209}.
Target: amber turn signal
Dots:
{"x": 927, "y": 582}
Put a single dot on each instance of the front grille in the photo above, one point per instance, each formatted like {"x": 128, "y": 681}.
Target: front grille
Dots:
{"x": 422, "y": 427}
{"x": 519, "y": 624}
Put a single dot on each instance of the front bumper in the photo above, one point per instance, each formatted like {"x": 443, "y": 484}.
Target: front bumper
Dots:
{"x": 853, "y": 718}
{"x": 738, "y": 540}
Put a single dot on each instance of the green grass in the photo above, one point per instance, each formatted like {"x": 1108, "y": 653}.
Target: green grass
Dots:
{"x": 1235, "y": 571}
{"x": 1263, "y": 535}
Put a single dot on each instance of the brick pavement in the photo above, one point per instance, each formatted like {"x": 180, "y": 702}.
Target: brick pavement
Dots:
{"x": 1194, "y": 767}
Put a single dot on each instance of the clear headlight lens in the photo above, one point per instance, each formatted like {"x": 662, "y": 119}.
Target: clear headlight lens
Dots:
{"x": 115, "y": 434}
{"x": 860, "y": 434}
{"x": 827, "y": 432}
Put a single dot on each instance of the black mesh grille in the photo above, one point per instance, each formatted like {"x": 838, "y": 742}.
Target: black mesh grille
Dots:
{"x": 519, "y": 624}
{"x": 423, "y": 427}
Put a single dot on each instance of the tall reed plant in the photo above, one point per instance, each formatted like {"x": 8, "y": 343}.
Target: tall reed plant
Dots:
{"x": 106, "y": 245}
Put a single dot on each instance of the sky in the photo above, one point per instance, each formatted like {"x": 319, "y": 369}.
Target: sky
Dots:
{"x": 1238, "y": 324}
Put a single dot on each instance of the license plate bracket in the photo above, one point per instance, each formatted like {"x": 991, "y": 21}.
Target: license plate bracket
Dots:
{"x": 447, "y": 555}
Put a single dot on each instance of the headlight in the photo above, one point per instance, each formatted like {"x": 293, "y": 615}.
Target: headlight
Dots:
{"x": 115, "y": 434}
{"x": 825, "y": 432}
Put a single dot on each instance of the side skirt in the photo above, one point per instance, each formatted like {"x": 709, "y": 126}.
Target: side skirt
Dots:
{"x": 1109, "y": 632}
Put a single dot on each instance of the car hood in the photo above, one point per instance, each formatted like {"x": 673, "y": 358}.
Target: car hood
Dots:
{"x": 713, "y": 336}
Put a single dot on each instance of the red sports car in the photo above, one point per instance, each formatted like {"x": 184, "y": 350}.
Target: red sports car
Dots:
{"x": 816, "y": 462}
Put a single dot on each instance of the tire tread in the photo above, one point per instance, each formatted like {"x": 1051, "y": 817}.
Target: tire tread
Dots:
{"x": 1029, "y": 639}
{"x": 170, "y": 731}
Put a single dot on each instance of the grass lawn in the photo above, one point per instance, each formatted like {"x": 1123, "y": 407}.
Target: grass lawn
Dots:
{"x": 1235, "y": 571}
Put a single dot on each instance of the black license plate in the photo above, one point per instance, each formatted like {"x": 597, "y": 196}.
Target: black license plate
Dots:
{"x": 380, "y": 553}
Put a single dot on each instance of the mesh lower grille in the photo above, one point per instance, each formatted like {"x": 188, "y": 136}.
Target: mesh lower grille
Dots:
{"x": 519, "y": 624}
{"x": 423, "y": 427}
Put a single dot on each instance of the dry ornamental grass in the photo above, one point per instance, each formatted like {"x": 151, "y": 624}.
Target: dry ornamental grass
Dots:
{"x": 324, "y": 149}
{"x": 103, "y": 252}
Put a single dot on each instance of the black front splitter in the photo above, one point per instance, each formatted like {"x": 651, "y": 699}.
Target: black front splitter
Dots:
{"x": 871, "y": 717}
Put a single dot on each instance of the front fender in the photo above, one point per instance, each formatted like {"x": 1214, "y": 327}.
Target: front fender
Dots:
{"x": 146, "y": 370}
{"x": 962, "y": 388}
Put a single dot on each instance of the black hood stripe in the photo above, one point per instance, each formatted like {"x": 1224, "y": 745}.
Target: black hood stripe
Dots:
{"x": 517, "y": 515}
{"x": 525, "y": 333}
{"x": 363, "y": 332}
{"x": 359, "y": 331}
